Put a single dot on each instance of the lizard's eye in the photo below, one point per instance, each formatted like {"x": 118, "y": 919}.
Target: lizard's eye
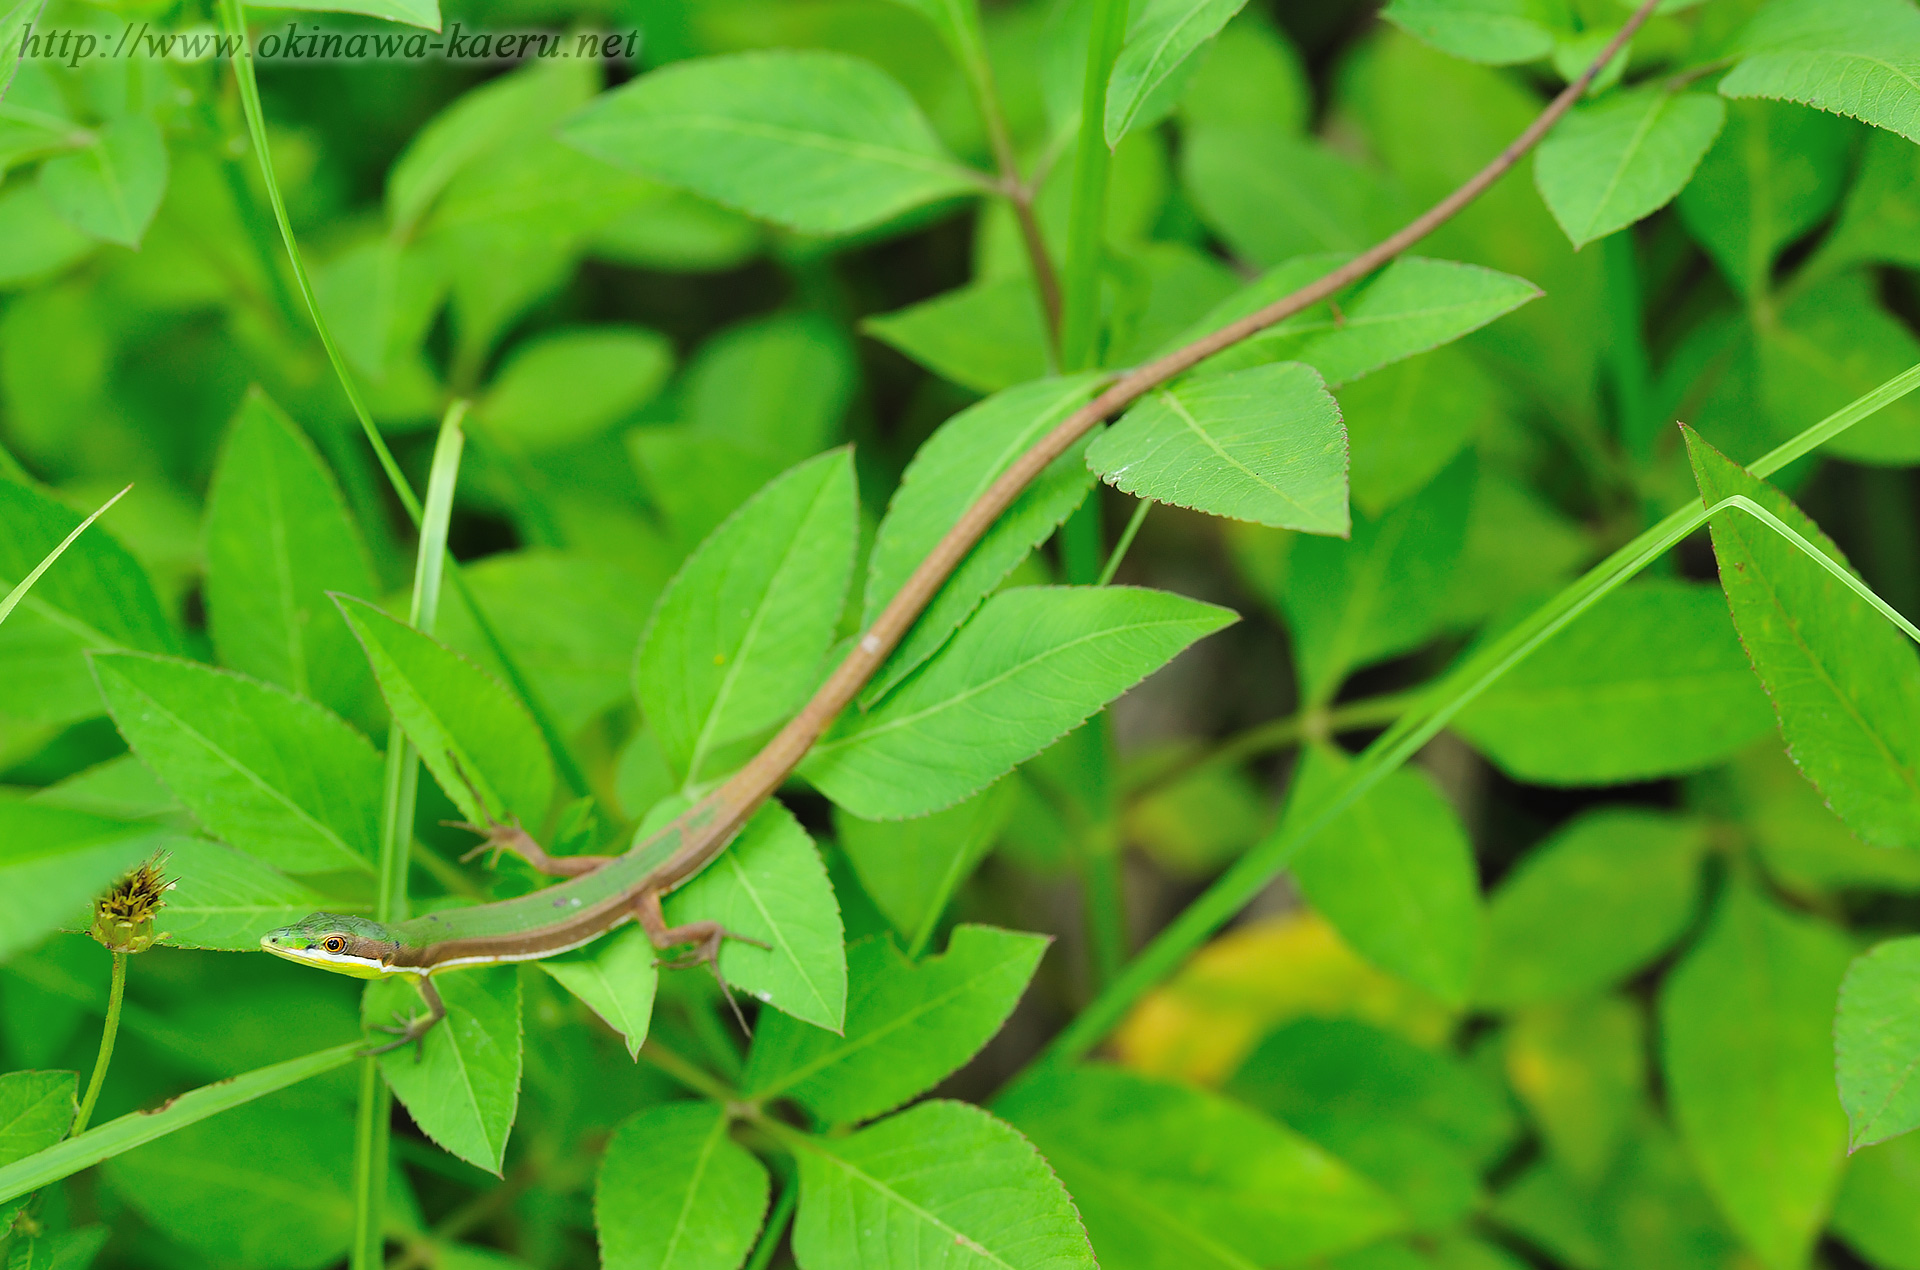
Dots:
{"x": 334, "y": 944}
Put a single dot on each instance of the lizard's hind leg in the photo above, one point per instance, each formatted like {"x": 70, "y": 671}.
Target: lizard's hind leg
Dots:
{"x": 704, "y": 938}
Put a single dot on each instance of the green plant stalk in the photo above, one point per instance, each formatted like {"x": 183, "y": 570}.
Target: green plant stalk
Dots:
{"x": 1103, "y": 898}
{"x": 1626, "y": 352}
{"x": 138, "y": 1128}
{"x": 969, "y": 47}
{"x": 776, "y": 1227}
{"x": 233, "y": 17}
{"x": 1278, "y": 734}
{"x": 1087, "y": 214}
{"x": 109, "y": 1032}
{"x": 373, "y": 1116}
{"x": 1253, "y": 871}
{"x": 1127, "y": 535}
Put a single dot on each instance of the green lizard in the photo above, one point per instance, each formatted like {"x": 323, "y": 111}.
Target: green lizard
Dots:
{"x": 600, "y": 893}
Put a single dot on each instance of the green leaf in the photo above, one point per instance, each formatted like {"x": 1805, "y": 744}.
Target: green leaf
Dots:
{"x": 1034, "y": 664}
{"x": 770, "y": 885}
{"x": 111, "y": 188}
{"x": 737, "y": 639}
{"x": 54, "y": 862}
{"x": 533, "y": 98}
{"x": 216, "y": 1187}
{"x": 1876, "y": 1042}
{"x": 1254, "y": 75}
{"x": 675, "y": 1192}
{"x": 571, "y": 622}
{"x": 227, "y": 899}
{"x": 1859, "y": 58}
{"x": 1395, "y": 875}
{"x": 1580, "y": 1068}
{"x": 1165, "y": 1175}
{"x": 1616, "y": 161}
{"x": 565, "y": 387}
{"x": 1605, "y": 895}
{"x": 1844, "y": 683}
{"x": 616, "y": 978}
{"x": 472, "y": 733}
{"x": 1493, "y": 32}
{"x": 1160, "y": 39}
{"x": 911, "y": 868}
{"x": 1745, "y": 1021}
{"x": 1351, "y": 604}
{"x": 1272, "y": 195}
{"x": 1773, "y": 174}
{"x": 1875, "y": 1212}
{"x": 278, "y": 538}
{"x": 34, "y": 241}
{"x": 1263, "y": 444}
{"x": 781, "y": 384}
{"x": 463, "y": 1087}
{"x": 1826, "y": 346}
{"x": 1880, "y": 222}
{"x": 943, "y": 1185}
{"x": 816, "y": 141}
{"x": 420, "y": 13}
{"x": 271, "y": 773}
{"x": 695, "y": 481}
{"x": 1415, "y": 1122}
{"x": 986, "y": 336}
{"x": 380, "y": 298}
{"x": 1649, "y": 683}
{"x": 1414, "y": 305}
{"x": 36, "y": 1110}
{"x": 964, "y": 456}
{"x": 97, "y": 597}
{"x": 908, "y": 1026}
{"x": 1411, "y": 306}
{"x": 1406, "y": 423}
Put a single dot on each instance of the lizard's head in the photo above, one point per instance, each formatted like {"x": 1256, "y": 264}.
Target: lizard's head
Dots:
{"x": 338, "y": 942}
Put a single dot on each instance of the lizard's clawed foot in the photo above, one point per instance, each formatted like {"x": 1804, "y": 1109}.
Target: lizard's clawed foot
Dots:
{"x": 706, "y": 951}
{"x": 411, "y": 1030}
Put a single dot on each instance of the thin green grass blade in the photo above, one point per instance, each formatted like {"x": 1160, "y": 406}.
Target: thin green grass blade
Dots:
{"x": 233, "y": 18}
{"x": 1259, "y": 866}
{"x": 374, "y": 1114}
{"x": 1819, "y": 557}
{"x": 19, "y": 592}
{"x": 141, "y": 1127}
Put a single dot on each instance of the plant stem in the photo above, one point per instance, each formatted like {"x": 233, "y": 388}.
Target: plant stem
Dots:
{"x": 1119, "y": 551}
{"x": 108, "y": 1032}
{"x": 687, "y": 1073}
{"x": 233, "y": 16}
{"x": 970, "y": 48}
{"x": 1087, "y": 215}
{"x": 1253, "y": 871}
{"x": 1626, "y": 352}
{"x": 776, "y": 1227}
{"x": 1278, "y": 734}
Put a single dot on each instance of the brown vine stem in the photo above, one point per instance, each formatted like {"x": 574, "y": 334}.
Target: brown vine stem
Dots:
{"x": 706, "y": 827}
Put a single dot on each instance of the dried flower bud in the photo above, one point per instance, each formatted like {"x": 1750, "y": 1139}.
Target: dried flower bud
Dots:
{"x": 123, "y": 917}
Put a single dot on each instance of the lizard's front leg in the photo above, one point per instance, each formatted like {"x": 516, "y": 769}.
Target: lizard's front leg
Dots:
{"x": 413, "y": 1030}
